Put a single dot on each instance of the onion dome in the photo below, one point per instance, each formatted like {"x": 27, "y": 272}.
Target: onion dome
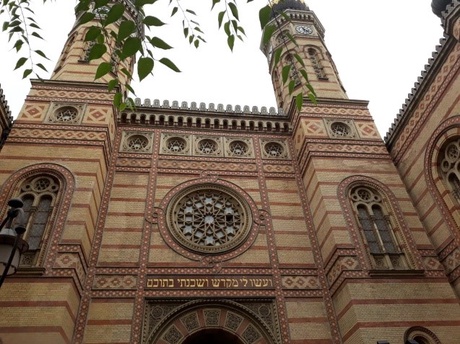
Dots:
{"x": 438, "y": 6}
{"x": 283, "y": 5}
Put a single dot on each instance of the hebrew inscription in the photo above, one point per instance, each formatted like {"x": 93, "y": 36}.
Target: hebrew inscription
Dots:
{"x": 205, "y": 282}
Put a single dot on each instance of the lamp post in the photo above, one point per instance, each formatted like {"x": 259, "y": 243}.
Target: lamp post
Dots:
{"x": 11, "y": 243}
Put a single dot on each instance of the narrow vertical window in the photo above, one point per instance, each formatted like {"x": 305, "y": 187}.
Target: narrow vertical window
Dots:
{"x": 376, "y": 229}
{"x": 449, "y": 160}
{"x": 316, "y": 64}
{"x": 38, "y": 195}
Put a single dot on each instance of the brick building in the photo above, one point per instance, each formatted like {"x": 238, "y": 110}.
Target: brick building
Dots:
{"x": 193, "y": 223}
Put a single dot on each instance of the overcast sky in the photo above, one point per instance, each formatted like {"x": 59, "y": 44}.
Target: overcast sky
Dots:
{"x": 379, "y": 47}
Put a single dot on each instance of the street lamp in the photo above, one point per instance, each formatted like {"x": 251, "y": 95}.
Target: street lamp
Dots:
{"x": 11, "y": 243}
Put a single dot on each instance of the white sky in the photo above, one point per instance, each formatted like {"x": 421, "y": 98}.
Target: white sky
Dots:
{"x": 379, "y": 47}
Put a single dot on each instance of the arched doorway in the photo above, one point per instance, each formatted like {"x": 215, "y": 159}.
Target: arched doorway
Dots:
{"x": 211, "y": 321}
{"x": 211, "y": 336}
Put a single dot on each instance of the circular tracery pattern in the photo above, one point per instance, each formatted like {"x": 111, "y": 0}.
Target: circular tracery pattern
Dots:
{"x": 238, "y": 148}
{"x": 340, "y": 129}
{"x": 66, "y": 114}
{"x": 210, "y": 219}
{"x": 274, "y": 149}
{"x": 176, "y": 144}
{"x": 207, "y": 146}
{"x": 137, "y": 142}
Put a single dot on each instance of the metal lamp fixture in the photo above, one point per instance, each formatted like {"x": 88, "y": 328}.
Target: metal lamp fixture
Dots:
{"x": 11, "y": 243}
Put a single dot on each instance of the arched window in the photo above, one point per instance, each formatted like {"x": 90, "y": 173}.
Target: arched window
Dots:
{"x": 420, "y": 335}
{"x": 39, "y": 195}
{"x": 316, "y": 64}
{"x": 372, "y": 215}
{"x": 449, "y": 161}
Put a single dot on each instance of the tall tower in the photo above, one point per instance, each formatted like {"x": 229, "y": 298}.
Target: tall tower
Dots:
{"x": 303, "y": 35}
{"x": 57, "y": 159}
{"x": 363, "y": 229}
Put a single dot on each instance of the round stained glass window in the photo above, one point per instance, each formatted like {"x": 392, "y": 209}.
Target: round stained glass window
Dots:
{"x": 340, "y": 129}
{"x": 176, "y": 144}
{"x": 274, "y": 149}
{"x": 137, "y": 142}
{"x": 209, "y": 219}
{"x": 238, "y": 148}
{"x": 66, "y": 114}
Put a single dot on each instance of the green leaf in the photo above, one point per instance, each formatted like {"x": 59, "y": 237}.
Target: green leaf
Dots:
{"x": 299, "y": 59}
{"x": 41, "y": 53}
{"x": 214, "y": 2}
{"x": 285, "y": 72}
{"x": 86, "y": 17}
{"x": 231, "y": 41}
{"x": 220, "y": 18}
{"x": 312, "y": 98}
{"x": 304, "y": 74}
{"x": 190, "y": 11}
{"x": 168, "y": 63}
{"x": 299, "y": 101}
{"x": 35, "y": 34}
{"x": 117, "y": 100}
{"x": 127, "y": 27}
{"x": 5, "y": 26}
{"x": 97, "y": 51}
{"x": 20, "y": 62}
{"x": 227, "y": 28}
{"x": 268, "y": 33}
{"x": 144, "y": 67}
{"x": 131, "y": 46}
{"x": 174, "y": 11}
{"x": 112, "y": 84}
{"x": 115, "y": 13}
{"x": 277, "y": 54}
{"x": 152, "y": 21}
{"x": 100, "y": 3}
{"x": 127, "y": 73}
{"x": 18, "y": 45}
{"x": 291, "y": 86}
{"x": 92, "y": 33}
{"x": 103, "y": 69}
{"x": 264, "y": 16}
{"x": 234, "y": 9}
{"x": 26, "y": 73}
{"x": 39, "y": 65}
{"x": 159, "y": 43}
{"x": 311, "y": 89}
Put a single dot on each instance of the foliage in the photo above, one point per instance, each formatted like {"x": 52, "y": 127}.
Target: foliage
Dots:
{"x": 118, "y": 28}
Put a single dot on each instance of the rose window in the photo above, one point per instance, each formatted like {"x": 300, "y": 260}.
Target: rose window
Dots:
{"x": 176, "y": 144}
{"x": 209, "y": 220}
{"x": 238, "y": 148}
{"x": 137, "y": 142}
{"x": 274, "y": 149}
{"x": 207, "y": 146}
{"x": 66, "y": 114}
{"x": 340, "y": 129}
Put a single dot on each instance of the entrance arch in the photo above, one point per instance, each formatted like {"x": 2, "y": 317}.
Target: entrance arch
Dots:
{"x": 205, "y": 321}
{"x": 211, "y": 336}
